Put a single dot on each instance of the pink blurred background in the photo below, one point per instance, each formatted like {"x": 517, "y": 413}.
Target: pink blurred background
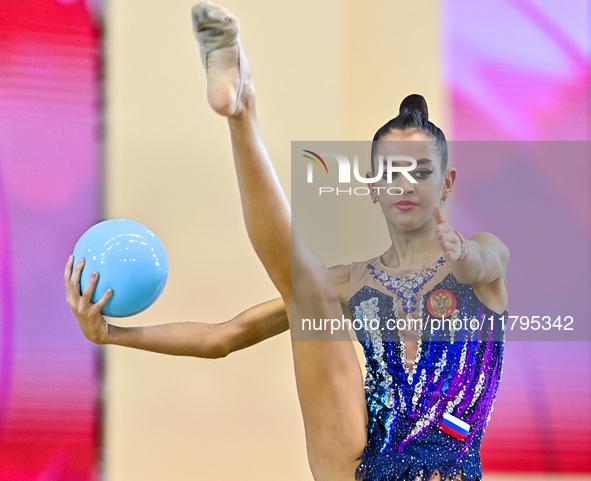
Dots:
{"x": 516, "y": 70}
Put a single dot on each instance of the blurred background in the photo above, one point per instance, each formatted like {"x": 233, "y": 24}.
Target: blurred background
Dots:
{"x": 103, "y": 115}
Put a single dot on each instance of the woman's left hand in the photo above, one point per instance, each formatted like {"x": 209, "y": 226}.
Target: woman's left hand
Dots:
{"x": 448, "y": 239}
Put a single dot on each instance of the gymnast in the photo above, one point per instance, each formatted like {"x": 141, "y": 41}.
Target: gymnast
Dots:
{"x": 422, "y": 409}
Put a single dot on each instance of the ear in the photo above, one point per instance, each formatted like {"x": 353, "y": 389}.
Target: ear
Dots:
{"x": 372, "y": 193}
{"x": 449, "y": 180}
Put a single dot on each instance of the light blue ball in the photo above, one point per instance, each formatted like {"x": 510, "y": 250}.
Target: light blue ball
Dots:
{"x": 130, "y": 260}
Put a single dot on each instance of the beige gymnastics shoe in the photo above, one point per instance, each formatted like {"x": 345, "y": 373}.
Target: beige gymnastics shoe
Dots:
{"x": 228, "y": 70}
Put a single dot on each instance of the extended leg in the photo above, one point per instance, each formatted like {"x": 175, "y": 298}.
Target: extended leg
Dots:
{"x": 328, "y": 376}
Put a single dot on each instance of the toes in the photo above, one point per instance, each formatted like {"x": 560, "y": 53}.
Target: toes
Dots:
{"x": 199, "y": 12}
{"x": 214, "y": 26}
{"x": 206, "y": 14}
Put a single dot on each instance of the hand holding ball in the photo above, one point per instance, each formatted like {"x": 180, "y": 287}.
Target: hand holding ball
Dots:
{"x": 130, "y": 260}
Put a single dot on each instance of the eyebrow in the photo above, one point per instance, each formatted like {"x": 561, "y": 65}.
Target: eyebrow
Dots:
{"x": 419, "y": 162}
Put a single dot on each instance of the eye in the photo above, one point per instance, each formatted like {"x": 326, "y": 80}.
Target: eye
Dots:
{"x": 422, "y": 174}
{"x": 394, "y": 175}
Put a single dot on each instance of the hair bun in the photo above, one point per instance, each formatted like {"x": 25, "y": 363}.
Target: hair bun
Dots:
{"x": 415, "y": 103}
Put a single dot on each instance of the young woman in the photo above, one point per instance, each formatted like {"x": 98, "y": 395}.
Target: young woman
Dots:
{"x": 426, "y": 400}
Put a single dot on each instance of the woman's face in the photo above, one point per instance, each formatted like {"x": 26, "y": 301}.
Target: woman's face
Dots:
{"x": 412, "y": 209}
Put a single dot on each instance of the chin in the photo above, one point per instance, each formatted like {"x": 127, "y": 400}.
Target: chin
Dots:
{"x": 407, "y": 222}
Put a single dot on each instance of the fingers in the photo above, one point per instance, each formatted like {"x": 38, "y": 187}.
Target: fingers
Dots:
{"x": 72, "y": 280}
{"x": 449, "y": 249}
{"x": 442, "y": 226}
{"x": 75, "y": 279}
{"x": 67, "y": 276}
{"x": 449, "y": 241}
{"x": 89, "y": 292}
{"x": 446, "y": 236}
{"x": 103, "y": 300}
{"x": 68, "y": 272}
{"x": 438, "y": 214}
{"x": 91, "y": 286}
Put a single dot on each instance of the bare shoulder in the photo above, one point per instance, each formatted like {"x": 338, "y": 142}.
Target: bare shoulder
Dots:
{"x": 340, "y": 272}
{"x": 340, "y": 278}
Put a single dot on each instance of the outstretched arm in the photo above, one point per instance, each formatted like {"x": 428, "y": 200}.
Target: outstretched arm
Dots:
{"x": 200, "y": 339}
{"x": 197, "y": 339}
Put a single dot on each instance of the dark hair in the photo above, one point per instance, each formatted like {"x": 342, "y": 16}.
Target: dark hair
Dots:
{"x": 413, "y": 114}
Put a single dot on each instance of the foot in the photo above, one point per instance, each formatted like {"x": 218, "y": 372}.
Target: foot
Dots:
{"x": 229, "y": 79}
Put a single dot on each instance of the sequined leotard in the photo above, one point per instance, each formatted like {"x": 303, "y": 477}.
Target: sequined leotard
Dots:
{"x": 454, "y": 371}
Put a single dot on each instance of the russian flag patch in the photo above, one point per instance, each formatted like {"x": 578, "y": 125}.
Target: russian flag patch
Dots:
{"x": 454, "y": 427}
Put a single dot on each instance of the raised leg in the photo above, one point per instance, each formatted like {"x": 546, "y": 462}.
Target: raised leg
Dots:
{"x": 328, "y": 376}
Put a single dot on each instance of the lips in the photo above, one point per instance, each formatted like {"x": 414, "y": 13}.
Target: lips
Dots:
{"x": 405, "y": 205}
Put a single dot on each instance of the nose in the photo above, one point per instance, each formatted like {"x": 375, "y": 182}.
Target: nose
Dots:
{"x": 406, "y": 185}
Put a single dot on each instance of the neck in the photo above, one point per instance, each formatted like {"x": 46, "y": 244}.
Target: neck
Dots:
{"x": 411, "y": 250}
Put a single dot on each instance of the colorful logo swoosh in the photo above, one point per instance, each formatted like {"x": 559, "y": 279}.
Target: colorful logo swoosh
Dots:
{"x": 316, "y": 161}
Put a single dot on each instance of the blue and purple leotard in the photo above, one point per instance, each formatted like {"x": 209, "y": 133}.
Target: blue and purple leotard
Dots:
{"x": 432, "y": 414}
